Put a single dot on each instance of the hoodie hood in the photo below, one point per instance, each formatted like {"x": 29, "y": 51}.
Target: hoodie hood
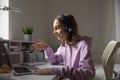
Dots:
{"x": 87, "y": 39}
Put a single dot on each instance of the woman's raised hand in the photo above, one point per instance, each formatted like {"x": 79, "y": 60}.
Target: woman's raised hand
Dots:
{"x": 41, "y": 45}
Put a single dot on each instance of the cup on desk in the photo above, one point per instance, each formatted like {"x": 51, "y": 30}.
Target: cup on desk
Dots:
{"x": 40, "y": 57}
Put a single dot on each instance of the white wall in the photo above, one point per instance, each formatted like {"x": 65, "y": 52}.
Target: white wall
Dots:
{"x": 40, "y": 13}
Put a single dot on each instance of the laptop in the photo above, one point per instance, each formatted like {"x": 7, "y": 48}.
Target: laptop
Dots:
{"x": 17, "y": 70}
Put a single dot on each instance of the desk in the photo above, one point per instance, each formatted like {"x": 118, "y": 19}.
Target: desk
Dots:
{"x": 33, "y": 77}
{"x": 37, "y": 77}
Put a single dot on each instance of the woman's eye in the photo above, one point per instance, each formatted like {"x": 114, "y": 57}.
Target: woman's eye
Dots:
{"x": 57, "y": 28}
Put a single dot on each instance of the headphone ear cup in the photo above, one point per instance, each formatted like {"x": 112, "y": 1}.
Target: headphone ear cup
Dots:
{"x": 68, "y": 29}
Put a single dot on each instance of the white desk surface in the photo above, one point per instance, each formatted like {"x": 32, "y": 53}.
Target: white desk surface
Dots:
{"x": 33, "y": 77}
{"x": 37, "y": 77}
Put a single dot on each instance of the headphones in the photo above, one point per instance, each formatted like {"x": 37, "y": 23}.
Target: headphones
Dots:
{"x": 67, "y": 27}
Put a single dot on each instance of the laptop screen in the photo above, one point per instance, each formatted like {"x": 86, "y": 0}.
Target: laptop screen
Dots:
{"x": 7, "y": 55}
{"x": 18, "y": 70}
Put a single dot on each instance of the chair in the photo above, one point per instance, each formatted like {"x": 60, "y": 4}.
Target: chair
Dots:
{"x": 106, "y": 71}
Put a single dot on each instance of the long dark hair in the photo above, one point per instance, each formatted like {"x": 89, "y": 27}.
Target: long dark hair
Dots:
{"x": 69, "y": 20}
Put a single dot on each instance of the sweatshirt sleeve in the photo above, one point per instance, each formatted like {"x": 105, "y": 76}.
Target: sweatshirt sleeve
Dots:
{"x": 85, "y": 71}
{"x": 53, "y": 58}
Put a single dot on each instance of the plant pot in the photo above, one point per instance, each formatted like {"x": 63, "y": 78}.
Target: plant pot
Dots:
{"x": 28, "y": 37}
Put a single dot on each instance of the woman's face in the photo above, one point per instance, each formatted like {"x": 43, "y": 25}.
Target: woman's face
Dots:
{"x": 59, "y": 30}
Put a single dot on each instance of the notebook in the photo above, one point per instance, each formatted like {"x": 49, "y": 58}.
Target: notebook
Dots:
{"x": 17, "y": 70}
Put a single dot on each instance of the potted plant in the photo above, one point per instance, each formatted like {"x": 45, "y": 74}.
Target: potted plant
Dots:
{"x": 27, "y": 30}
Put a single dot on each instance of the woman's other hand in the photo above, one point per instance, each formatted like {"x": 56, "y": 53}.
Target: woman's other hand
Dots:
{"x": 42, "y": 45}
{"x": 46, "y": 71}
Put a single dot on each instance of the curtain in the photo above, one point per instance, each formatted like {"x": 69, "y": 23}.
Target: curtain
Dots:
{"x": 117, "y": 19}
{"x": 111, "y": 20}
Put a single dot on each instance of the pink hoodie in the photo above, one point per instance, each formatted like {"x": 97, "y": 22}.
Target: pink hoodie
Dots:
{"x": 77, "y": 60}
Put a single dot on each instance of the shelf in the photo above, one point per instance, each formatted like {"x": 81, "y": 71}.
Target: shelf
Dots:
{"x": 16, "y": 48}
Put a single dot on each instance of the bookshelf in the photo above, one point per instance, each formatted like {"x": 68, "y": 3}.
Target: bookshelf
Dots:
{"x": 16, "y": 49}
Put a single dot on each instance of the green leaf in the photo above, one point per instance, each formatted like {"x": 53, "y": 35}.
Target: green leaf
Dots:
{"x": 27, "y": 30}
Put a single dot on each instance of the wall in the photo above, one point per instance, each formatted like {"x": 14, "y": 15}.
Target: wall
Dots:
{"x": 32, "y": 13}
{"x": 40, "y": 14}
{"x": 88, "y": 14}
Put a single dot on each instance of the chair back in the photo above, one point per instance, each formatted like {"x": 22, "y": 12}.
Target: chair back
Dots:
{"x": 108, "y": 59}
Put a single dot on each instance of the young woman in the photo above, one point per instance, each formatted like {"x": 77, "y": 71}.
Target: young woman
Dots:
{"x": 74, "y": 51}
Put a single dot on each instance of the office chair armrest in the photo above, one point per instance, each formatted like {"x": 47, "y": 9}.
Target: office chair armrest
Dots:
{"x": 116, "y": 76}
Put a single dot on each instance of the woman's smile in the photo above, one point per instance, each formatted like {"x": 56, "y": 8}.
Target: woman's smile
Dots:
{"x": 59, "y": 30}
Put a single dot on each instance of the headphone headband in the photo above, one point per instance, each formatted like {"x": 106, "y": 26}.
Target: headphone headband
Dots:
{"x": 67, "y": 27}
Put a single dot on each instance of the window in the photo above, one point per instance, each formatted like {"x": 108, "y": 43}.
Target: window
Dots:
{"x": 117, "y": 19}
{"x": 4, "y": 20}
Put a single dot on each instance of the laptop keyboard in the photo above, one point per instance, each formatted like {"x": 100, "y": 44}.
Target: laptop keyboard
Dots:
{"x": 32, "y": 68}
